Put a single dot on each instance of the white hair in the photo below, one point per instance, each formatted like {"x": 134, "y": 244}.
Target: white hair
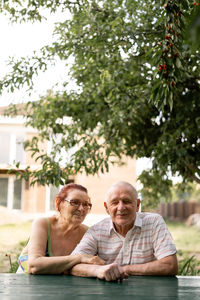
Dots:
{"x": 121, "y": 183}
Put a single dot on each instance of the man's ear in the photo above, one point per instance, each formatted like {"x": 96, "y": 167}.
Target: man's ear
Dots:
{"x": 138, "y": 204}
{"x": 106, "y": 207}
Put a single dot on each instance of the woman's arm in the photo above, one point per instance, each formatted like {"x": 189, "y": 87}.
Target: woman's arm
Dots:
{"x": 39, "y": 264}
{"x": 108, "y": 272}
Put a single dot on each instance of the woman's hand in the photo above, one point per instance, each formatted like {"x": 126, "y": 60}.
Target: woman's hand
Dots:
{"x": 91, "y": 259}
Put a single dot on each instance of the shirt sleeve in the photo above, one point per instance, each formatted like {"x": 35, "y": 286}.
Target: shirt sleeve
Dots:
{"x": 163, "y": 243}
{"x": 88, "y": 244}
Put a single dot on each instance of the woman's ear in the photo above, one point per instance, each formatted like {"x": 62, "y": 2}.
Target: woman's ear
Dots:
{"x": 57, "y": 204}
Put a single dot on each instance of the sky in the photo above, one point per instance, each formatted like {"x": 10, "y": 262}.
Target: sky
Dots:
{"x": 20, "y": 40}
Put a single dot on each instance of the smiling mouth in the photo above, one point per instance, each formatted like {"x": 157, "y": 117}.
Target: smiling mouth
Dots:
{"x": 78, "y": 215}
{"x": 121, "y": 215}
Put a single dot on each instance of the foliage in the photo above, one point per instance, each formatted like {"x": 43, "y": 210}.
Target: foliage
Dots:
{"x": 155, "y": 189}
{"x": 14, "y": 263}
{"x": 192, "y": 32}
{"x": 189, "y": 242}
{"x": 188, "y": 265}
{"x": 137, "y": 92}
{"x": 187, "y": 192}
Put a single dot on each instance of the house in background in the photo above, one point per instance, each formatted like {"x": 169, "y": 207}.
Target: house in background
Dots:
{"x": 20, "y": 195}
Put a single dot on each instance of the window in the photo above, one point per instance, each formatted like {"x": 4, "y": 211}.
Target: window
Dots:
{"x": 20, "y": 153}
{"x": 51, "y": 195}
{"x": 10, "y": 192}
{"x": 4, "y": 191}
{"x": 17, "y": 194}
{"x": 53, "y": 192}
{"x": 12, "y": 148}
{"x": 5, "y": 146}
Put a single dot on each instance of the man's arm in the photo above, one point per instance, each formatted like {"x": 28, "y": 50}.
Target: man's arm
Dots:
{"x": 109, "y": 272}
{"x": 88, "y": 245}
{"x": 167, "y": 266}
{"x": 164, "y": 250}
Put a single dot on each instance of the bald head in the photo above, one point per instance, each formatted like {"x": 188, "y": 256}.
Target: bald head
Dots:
{"x": 121, "y": 184}
{"x": 122, "y": 204}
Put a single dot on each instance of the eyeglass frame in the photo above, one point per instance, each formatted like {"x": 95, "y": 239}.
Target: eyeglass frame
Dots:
{"x": 86, "y": 207}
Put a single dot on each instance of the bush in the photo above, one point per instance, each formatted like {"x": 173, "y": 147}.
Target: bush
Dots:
{"x": 188, "y": 265}
{"x": 14, "y": 264}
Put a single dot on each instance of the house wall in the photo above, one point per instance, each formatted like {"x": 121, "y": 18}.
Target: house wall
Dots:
{"x": 97, "y": 185}
{"x": 42, "y": 146}
{"x": 33, "y": 198}
{"x": 36, "y": 199}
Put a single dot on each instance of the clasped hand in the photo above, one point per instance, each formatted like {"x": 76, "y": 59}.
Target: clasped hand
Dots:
{"x": 111, "y": 272}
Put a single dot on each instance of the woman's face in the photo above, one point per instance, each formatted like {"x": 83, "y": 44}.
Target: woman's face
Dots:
{"x": 75, "y": 206}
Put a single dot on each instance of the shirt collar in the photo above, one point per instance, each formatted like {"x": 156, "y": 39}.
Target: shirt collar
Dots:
{"x": 138, "y": 220}
{"x": 110, "y": 226}
{"x": 138, "y": 223}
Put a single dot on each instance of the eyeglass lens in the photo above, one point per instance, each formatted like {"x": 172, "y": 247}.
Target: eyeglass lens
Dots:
{"x": 77, "y": 203}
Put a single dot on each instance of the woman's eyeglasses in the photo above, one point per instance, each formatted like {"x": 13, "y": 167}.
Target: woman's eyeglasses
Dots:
{"x": 76, "y": 203}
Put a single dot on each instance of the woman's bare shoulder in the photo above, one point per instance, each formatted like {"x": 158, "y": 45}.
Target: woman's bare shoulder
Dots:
{"x": 40, "y": 222}
{"x": 84, "y": 227}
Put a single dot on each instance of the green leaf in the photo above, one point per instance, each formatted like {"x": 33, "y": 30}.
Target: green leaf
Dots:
{"x": 178, "y": 63}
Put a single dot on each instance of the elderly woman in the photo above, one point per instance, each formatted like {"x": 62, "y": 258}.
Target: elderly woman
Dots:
{"x": 53, "y": 239}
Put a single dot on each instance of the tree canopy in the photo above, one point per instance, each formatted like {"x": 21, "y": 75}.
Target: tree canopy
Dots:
{"x": 137, "y": 72}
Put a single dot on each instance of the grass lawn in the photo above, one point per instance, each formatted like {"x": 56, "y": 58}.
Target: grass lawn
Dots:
{"x": 12, "y": 238}
{"x": 187, "y": 238}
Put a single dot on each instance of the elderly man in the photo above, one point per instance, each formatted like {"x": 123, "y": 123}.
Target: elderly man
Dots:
{"x": 130, "y": 242}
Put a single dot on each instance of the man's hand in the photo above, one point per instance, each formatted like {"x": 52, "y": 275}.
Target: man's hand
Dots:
{"x": 111, "y": 272}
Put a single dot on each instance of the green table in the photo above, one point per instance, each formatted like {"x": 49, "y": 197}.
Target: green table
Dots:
{"x": 20, "y": 286}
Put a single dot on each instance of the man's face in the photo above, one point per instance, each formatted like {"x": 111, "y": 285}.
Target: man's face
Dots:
{"x": 122, "y": 206}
